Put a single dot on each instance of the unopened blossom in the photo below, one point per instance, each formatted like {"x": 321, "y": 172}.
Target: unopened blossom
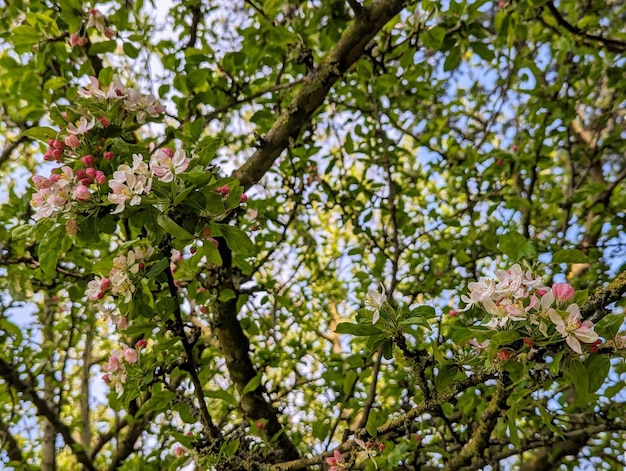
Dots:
{"x": 114, "y": 362}
{"x": 377, "y": 301}
{"x": 72, "y": 141}
{"x": 165, "y": 163}
{"x": 83, "y": 126}
{"x": 76, "y": 40}
{"x": 563, "y": 291}
{"x": 574, "y": 329}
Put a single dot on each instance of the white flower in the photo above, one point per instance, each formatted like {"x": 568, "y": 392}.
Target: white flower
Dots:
{"x": 129, "y": 183}
{"x": 376, "y": 300}
{"x": 573, "y": 329}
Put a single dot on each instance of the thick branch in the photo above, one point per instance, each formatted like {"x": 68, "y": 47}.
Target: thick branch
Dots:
{"x": 595, "y": 309}
{"x": 9, "y": 374}
{"x": 337, "y": 61}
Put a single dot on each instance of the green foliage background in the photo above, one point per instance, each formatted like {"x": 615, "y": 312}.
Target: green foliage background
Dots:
{"x": 462, "y": 137}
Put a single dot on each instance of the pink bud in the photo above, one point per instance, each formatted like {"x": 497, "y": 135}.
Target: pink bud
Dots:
{"x": 453, "y": 313}
{"x": 529, "y": 342}
{"x": 76, "y": 40}
{"x": 57, "y": 154}
{"x": 244, "y": 198}
{"x": 86, "y": 181}
{"x": 107, "y": 378}
{"x": 109, "y": 156}
{"x": 514, "y": 148}
{"x": 104, "y": 121}
{"x": 122, "y": 323}
{"x": 100, "y": 177}
{"x": 82, "y": 193}
{"x": 105, "y": 284}
{"x": 109, "y": 33}
{"x": 48, "y": 156}
{"x": 72, "y": 141}
{"x": 504, "y": 355}
{"x": 179, "y": 451}
{"x": 50, "y": 142}
{"x": 58, "y": 144}
{"x": 260, "y": 424}
{"x": 541, "y": 291}
{"x": 167, "y": 151}
{"x": 88, "y": 160}
{"x": 223, "y": 190}
{"x": 90, "y": 172}
{"x": 80, "y": 173}
{"x": 141, "y": 343}
{"x": 563, "y": 291}
{"x": 54, "y": 178}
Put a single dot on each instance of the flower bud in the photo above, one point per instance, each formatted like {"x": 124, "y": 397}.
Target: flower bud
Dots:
{"x": 244, "y": 198}
{"x": 223, "y": 190}
{"x": 563, "y": 291}
{"x": 122, "y": 323}
{"x": 109, "y": 156}
{"x": 72, "y": 141}
{"x": 104, "y": 121}
{"x": 100, "y": 177}
{"x": 107, "y": 378}
{"x": 88, "y": 160}
{"x": 57, "y": 154}
{"x": 141, "y": 343}
{"x": 90, "y": 172}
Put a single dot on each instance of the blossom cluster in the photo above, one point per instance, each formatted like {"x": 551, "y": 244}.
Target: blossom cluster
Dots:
{"x": 120, "y": 279}
{"x": 517, "y": 299}
{"x": 115, "y": 368}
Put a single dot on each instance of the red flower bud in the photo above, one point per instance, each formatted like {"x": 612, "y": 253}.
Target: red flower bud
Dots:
{"x": 141, "y": 343}
{"x": 104, "y": 121}
{"x": 88, "y": 160}
{"x": 244, "y": 198}
{"x": 100, "y": 177}
{"x": 109, "y": 156}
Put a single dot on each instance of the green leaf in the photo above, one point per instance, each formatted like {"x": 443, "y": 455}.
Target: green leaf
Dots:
{"x": 501, "y": 338}
{"x": 446, "y": 374}
{"x": 207, "y": 148}
{"x": 513, "y": 245}
{"x": 222, "y": 395}
{"x": 252, "y": 384}
{"x": 453, "y": 59}
{"x": 513, "y": 433}
{"x": 158, "y": 268}
{"x": 174, "y": 229}
{"x": 483, "y": 51}
{"x": 236, "y": 239}
{"x": 609, "y": 326}
{"x": 50, "y": 249}
{"x": 211, "y": 253}
{"x": 130, "y": 50}
{"x": 159, "y": 401}
{"x": 570, "y": 256}
{"x": 359, "y": 330}
{"x": 580, "y": 378}
{"x": 41, "y": 133}
{"x": 598, "y": 367}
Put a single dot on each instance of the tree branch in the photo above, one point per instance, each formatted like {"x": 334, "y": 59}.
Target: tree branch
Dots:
{"x": 611, "y": 45}
{"x": 595, "y": 308}
{"x": 316, "y": 86}
{"x": 9, "y": 373}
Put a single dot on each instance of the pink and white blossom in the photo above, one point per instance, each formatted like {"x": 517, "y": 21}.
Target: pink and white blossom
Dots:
{"x": 128, "y": 184}
{"x": 165, "y": 163}
{"x": 573, "y": 329}
{"x": 83, "y": 126}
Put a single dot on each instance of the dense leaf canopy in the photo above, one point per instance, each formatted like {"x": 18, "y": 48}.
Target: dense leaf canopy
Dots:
{"x": 312, "y": 234}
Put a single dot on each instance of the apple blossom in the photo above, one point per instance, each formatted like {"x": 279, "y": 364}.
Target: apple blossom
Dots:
{"x": 574, "y": 330}
{"x": 376, "y": 300}
{"x": 165, "y": 164}
{"x": 563, "y": 291}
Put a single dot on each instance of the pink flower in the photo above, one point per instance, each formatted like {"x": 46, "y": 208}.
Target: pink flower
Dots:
{"x": 336, "y": 462}
{"x": 114, "y": 363}
{"x": 563, "y": 291}
{"x": 573, "y": 329}
{"x": 97, "y": 287}
{"x": 164, "y": 164}
{"x": 130, "y": 355}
